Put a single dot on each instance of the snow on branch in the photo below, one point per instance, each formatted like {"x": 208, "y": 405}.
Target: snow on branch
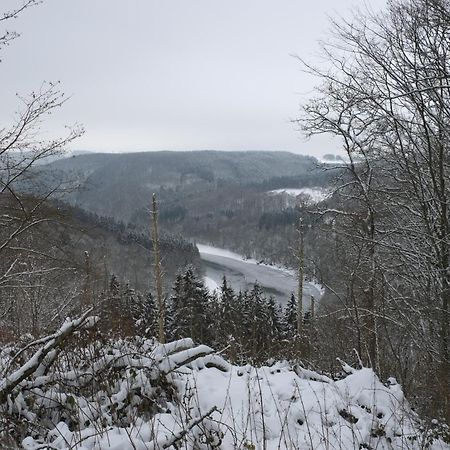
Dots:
{"x": 54, "y": 341}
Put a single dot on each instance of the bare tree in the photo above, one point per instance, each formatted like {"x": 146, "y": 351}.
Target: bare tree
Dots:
{"x": 22, "y": 150}
{"x": 387, "y": 96}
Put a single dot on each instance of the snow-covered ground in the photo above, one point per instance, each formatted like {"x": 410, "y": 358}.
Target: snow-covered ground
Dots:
{"x": 337, "y": 160}
{"x": 314, "y": 195}
{"x": 205, "y": 402}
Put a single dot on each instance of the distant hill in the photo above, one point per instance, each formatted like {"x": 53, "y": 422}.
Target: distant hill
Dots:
{"x": 118, "y": 185}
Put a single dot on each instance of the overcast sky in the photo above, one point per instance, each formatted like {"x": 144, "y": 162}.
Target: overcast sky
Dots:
{"x": 173, "y": 74}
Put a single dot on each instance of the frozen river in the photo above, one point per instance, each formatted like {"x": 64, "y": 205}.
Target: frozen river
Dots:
{"x": 244, "y": 273}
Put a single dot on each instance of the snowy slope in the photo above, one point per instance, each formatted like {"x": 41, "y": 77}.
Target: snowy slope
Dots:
{"x": 150, "y": 396}
{"x": 314, "y": 195}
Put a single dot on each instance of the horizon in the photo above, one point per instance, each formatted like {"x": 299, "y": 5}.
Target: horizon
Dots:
{"x": 78, "y": 152}
{"x": 173, "y": 75}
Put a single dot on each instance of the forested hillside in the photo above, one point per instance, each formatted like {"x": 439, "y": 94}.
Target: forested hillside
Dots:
{"x": 221, "y": 198}
{"x": 60, "y": 258}
{"x": 118, "y": 185}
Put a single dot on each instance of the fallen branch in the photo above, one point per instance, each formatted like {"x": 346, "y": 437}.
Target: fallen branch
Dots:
{"x": 193, "y": 423}
{"x": 8, "y": 384}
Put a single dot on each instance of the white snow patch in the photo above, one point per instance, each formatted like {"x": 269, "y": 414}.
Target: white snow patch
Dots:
{"x": 318, "y": 286}
{"x": 337, "y": 161}
{"x": 210, "y": 284}
{"x": 210, "y": 250}
{"x": 315, "y": 195}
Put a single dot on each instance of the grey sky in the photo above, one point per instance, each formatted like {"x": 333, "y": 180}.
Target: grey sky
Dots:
{"x": 172, "y": 74}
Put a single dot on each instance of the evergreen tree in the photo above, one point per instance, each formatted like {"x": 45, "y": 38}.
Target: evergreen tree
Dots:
{"x": 145, "y": 315}
{"x": 255, "y": 320}
{"x": 197, "y": 299}
{"x": 128, "y": 299}
{"x": 111, "y": 307}
{"x": 290, "y": 318}
{"x": 189, "y": 309}
{"x": 225, "y": 315}
{"x": 274, "y": 323}
{"x": 175, "y": 320}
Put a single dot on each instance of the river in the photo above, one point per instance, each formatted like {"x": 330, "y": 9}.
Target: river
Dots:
{"x": 243, "y": 274}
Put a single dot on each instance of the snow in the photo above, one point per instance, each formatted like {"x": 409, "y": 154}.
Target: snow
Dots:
{"x": 210, "y": 403}
{"x": 318, "y": 286}
{"x": 210, "y": 250}
{"x": 215, "y": 251}
{"x": 210, "y": 284}
{"x": 314, "y": 195}
{"x": 37, "y": 363}
{"x": 337, "y": 161}
{"x": 249, "y": 270}
{"x": 273, "y": 407}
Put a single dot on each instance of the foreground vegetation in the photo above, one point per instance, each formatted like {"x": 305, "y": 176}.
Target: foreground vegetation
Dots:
{"x": 76, "y": 390}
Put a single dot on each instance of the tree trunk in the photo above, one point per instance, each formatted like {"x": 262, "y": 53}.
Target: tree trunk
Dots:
{"x": 158, "y": 273}
{"x": 300, "y": 278}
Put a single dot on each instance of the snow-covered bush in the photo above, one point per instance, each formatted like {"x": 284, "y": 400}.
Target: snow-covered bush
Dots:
{"x": 71, "y": 391}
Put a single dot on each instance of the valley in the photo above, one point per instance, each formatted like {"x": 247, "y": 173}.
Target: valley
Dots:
{"x": 248, "y": 203}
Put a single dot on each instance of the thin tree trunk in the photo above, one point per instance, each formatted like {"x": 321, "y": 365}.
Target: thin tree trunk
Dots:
{"x": 158, "y": 273}
{"x": 372, "y": 304}
{"x": 300, "y": 274}
{"x": 87, "y": 283}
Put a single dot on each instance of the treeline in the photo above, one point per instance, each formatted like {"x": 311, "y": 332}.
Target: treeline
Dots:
{"x": 120, "y": 185}
{"x": 247, "y": 325}
{"x": 126, "y": 233}
{"x": 53, "y": 256}
{"x": 314, "y": 177}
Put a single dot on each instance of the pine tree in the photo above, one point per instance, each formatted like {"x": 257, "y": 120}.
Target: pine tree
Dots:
{"x": 290, "y": 318}
{"x": 197, "y": 298}
{"x": 255, "y": 322}
{"x": 225, "y": 315}
{"x": 111, "y": 308}
{"x": 127, "y": 304}
{"x": 190, "y": 309}
{"x": 175, "y": 320}
{"x": 274, "y": 324}
{"x": 145, "y": 315}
